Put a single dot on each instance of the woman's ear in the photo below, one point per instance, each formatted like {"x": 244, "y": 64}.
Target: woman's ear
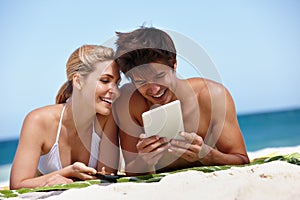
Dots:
{"x": 77, "y": 81}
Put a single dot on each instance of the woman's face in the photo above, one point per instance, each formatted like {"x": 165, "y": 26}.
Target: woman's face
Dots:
{"x": 99, "y": 89}
{"x": 106, "y": 91}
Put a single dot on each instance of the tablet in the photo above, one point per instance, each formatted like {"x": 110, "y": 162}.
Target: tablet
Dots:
{"x": 164, "y": 121}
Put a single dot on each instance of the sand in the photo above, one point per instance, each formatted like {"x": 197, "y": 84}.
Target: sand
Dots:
{"x": 274, "y": 180}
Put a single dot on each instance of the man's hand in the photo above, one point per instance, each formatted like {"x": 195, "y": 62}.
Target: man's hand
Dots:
{"x": 191, "y": 149}
{"x": 152, "y": 148}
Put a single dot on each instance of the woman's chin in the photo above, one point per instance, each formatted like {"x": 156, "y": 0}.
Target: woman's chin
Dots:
{"x": 104, "y": 111}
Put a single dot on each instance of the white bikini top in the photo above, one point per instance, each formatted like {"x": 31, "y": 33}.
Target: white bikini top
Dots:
{"x": 51, "y": 161}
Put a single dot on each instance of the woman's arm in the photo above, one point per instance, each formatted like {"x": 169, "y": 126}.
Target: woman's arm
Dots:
{"x": 32, "y": 140}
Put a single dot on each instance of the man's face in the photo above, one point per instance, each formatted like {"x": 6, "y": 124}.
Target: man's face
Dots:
{"x": 155, "y": 82}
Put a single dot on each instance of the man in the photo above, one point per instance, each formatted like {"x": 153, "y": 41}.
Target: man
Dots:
{"x": 212, "y": 135}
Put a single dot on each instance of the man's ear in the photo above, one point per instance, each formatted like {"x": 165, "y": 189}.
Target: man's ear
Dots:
{"x": 77, "y": 81}
{"x": 175, "y": 65}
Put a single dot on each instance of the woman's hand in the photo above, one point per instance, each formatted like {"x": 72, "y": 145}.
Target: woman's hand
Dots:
{"x": 57, "y": 179}
{"x": 191, "y": 149}
{"x": 81, "y": 171}
{"x": 151, "y": 149}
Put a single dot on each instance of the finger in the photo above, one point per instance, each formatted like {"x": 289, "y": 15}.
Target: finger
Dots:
{"x": 64, "y": 180}
{"x": 103, "y": 170}
{"x": 153, "y": 146}
{"x": 180, "y": 143}
{"x": 185, "y": 155}
{"x": 68, "y": 180}
{"x": 78, "y": 165}
{"x": 180, "y": 151}
{"x": 82, "y": 168}
{"x": 154, "y": 159}
{"x": 151, "y": 155}
{"x": 143, "y": 142}
{"x": 155, "y": 156}
{"x": 142, "y": 136}
{"x": 195, "y": 148}
{"x": 85, "y": 176}
{"x": 57, "y": 179}
{"x": 156, "y": 151}
{"x": 192, "y": 138}
{"x": 88, "y": 170}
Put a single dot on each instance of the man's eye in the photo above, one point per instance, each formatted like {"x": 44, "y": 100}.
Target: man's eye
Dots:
{"x": 139, "y": 82}
{"x": 161, "y": 75}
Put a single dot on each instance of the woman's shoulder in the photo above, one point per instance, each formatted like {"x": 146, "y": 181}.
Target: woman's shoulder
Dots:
{"x": 43, "y": 116}
{"x": 40, "y": 125}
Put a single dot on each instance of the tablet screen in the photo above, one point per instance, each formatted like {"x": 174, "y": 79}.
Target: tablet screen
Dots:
{"x": 165, "y": 121}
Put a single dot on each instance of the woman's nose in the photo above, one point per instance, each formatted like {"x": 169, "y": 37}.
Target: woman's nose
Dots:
{"x": 115, "y": 91}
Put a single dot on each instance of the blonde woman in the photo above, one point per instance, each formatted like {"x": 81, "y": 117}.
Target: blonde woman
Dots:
{"x": 76, "y": 137}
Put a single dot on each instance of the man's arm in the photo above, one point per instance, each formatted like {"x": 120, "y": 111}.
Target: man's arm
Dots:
{"x": 230, "y": 145}
{"x": 223, "y": 143}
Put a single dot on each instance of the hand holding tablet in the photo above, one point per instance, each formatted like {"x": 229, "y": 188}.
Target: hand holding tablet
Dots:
{"x": 164, "y": 121}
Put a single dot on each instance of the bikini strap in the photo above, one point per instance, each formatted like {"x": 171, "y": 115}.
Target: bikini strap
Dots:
{"x": 94, "y": 125}
{"x": 60, "y": 123}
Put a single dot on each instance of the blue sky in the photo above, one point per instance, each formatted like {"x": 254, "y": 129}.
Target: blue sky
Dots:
{"x": 254, "y": 45}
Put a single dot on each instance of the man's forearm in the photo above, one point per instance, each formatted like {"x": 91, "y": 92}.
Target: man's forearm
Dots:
{"x": 212, "y": 156}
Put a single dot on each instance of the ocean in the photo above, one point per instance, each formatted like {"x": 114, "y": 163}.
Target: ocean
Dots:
{"x": 260, "y": 130}
{"x": 271, "y": 129}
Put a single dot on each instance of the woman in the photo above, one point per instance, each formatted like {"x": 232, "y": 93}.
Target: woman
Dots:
{"x": 77, "y": 136}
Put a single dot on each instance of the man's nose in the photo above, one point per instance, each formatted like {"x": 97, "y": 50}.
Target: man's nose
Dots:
{"x": 154, "y": 88}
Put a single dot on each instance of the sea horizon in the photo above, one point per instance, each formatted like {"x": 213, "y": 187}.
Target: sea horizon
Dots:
{"x": 263, "y": 130}
{"x": 281, "y": 127}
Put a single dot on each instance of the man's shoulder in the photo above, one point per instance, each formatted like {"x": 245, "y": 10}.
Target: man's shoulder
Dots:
{"x": 207, "y": 88}
{"x": 203, "y": 83}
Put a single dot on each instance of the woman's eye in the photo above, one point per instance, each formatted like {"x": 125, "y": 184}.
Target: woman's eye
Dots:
{"x": 104, "y": 80}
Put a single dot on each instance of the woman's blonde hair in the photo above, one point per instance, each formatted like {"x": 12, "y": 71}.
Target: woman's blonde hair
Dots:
{"x": 81, "y": 61}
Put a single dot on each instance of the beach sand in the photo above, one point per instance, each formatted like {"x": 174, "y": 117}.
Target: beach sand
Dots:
{"x": 273, "y": 180}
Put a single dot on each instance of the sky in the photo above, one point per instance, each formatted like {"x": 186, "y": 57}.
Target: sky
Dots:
{"x": 253, "y": 47}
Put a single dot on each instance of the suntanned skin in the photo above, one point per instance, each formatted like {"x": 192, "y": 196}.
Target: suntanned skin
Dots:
{"x": 39, "y": 132}
{"x": 208, "y": 110}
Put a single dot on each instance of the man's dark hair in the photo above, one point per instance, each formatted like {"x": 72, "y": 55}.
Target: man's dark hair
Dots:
{"x": 144, "y": 45}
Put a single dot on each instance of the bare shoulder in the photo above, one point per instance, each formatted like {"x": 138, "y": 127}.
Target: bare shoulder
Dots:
{"x": 208, "y": 89}
{"x": 43, "y": 115}
{"x": 212, "y": 96}
{"x": 41, "y": 120}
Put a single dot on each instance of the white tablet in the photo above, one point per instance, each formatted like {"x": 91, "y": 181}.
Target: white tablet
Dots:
{"x": 164, "y": 121}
